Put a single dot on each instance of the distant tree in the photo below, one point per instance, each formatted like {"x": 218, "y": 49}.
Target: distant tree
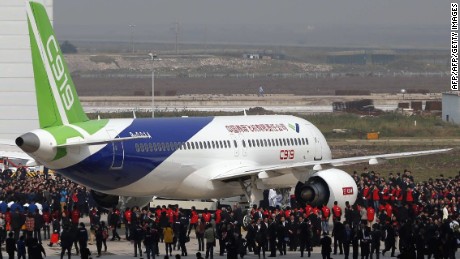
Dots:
{"x": 68, "y": 48}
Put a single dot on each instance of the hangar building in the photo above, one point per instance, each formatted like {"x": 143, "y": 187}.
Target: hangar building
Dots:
{"x": 18, "y": 112}
{"x": 451, "y": 107}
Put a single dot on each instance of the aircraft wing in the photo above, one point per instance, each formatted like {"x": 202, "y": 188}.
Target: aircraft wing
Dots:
{"x": 290, "y": 167}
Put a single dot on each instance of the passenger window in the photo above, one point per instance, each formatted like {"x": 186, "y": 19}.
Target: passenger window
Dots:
{"x": 258, "y": 143}
{"x": 201, "y": 145}
{"x": 225, "y": 144}
{"x": 306, "y": 140}
{"x": 236, "y": 144}
{"x": 193, "y": 145}
{"x": 265, "y": 143}
{"x": 244, "y": 143}
{"x": 303, "y": 142}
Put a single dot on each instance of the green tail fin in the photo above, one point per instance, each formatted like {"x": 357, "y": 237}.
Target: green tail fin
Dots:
{"x": 57, "y": 100}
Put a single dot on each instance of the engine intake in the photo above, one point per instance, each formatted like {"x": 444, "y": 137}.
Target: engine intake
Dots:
{"x": 325, "y": 187}
{"x": 314, "y": 192}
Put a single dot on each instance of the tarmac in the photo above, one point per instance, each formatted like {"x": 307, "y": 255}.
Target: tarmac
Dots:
{"x": 124, "y": 249}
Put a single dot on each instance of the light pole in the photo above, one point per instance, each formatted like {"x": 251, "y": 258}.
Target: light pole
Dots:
{"x": 131, "y": 27}
{"x": 152, "y": 58}
{"x": 403, "y": 91}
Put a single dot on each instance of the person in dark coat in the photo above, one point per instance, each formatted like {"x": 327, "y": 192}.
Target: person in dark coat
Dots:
{"x": 82, "y": 238}
{"x": 10, "y": 245}
{"x": 390, "y": 240}
{"x": 36, "y": 250}
{"x": 251, "y": 237}
{"x": 365, "y": 242}
{"x": 149, "y": 243}
{"x": 99, "y": 238}
{"x": 38, "y": 225}
{"x": 113, "y": 223}
{"x": 376, "y": 236}
{"x": 16, "y": 223}
{"x": 66, "y": 242}
{"x": 21, "y": 247}
{"x": 231, "y": 243}
{"x": 305, "y": 234}
{"x": 282, "y": 235}
{"x": 292, "y": 233}
{"x": 326, "y": 249}
{"x": 337, "y": 232}
{"x": 272, "y": 237}
{"x": 355, "y": 242}
{"x": 183, "y": 238}
{"x": 74, "y": 233}
{"x": 261, "y": 237}
{"x": 137, "y": 237}
{"x": 347, "y": 239}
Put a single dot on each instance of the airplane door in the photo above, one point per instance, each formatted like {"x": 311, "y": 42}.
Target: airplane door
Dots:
{"x": 315, "y": 142}
{"x": 318, "y": 149}
{"x": 118, "y": 151}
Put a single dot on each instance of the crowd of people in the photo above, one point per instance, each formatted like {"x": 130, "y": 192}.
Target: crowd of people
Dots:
{"x": 421, "y": 218}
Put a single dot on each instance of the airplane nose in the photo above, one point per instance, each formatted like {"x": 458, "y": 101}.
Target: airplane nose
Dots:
{"x": 28, "y": 142}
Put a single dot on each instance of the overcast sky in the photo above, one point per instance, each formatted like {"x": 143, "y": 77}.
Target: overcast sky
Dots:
{"x": 333, "y": 22}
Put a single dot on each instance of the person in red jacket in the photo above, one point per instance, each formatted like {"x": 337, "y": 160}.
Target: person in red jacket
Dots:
{"x": 325, "y": 215}
{"x": 366, "y": 195}
{"x": 308, "y": 210}
{"x": 193, "y": 220}
{"x": 385, "y": 193}
{"x": 46, "y": 224}
{"x": 127, "y": 218}
{"x": 409, "y": 196}
{"x": 376, "y": 197}
{"x": 370, "y": 215}
{"x": 389, "y": 210}
{"x": 206, "y": 215}
{"x": 218, "y": 218}
{"x": 336, "y": 212}
{"x": 75, "y": 216}
{"x": 397, "y": 195}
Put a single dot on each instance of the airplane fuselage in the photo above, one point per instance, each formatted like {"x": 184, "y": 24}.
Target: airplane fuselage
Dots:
{"x": 178, "y": 156}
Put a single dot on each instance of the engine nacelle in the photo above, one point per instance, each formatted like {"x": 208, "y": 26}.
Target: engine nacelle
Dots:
{"x": 110, "y": 201}
{"x": 327, "y": 186}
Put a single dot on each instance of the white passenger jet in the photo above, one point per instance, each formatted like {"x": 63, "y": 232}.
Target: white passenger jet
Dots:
{"x": 185, "y": 158}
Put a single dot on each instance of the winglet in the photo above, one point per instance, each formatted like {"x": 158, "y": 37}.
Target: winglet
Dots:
{"x": 57, "y": 100}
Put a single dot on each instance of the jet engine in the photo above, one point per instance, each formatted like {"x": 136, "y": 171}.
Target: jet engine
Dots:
{"x": 110, "y": 201}
{"x": 325, "y": 187}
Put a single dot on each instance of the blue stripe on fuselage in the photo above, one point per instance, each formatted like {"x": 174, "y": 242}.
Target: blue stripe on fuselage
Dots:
{"x": 95, "y": 171}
